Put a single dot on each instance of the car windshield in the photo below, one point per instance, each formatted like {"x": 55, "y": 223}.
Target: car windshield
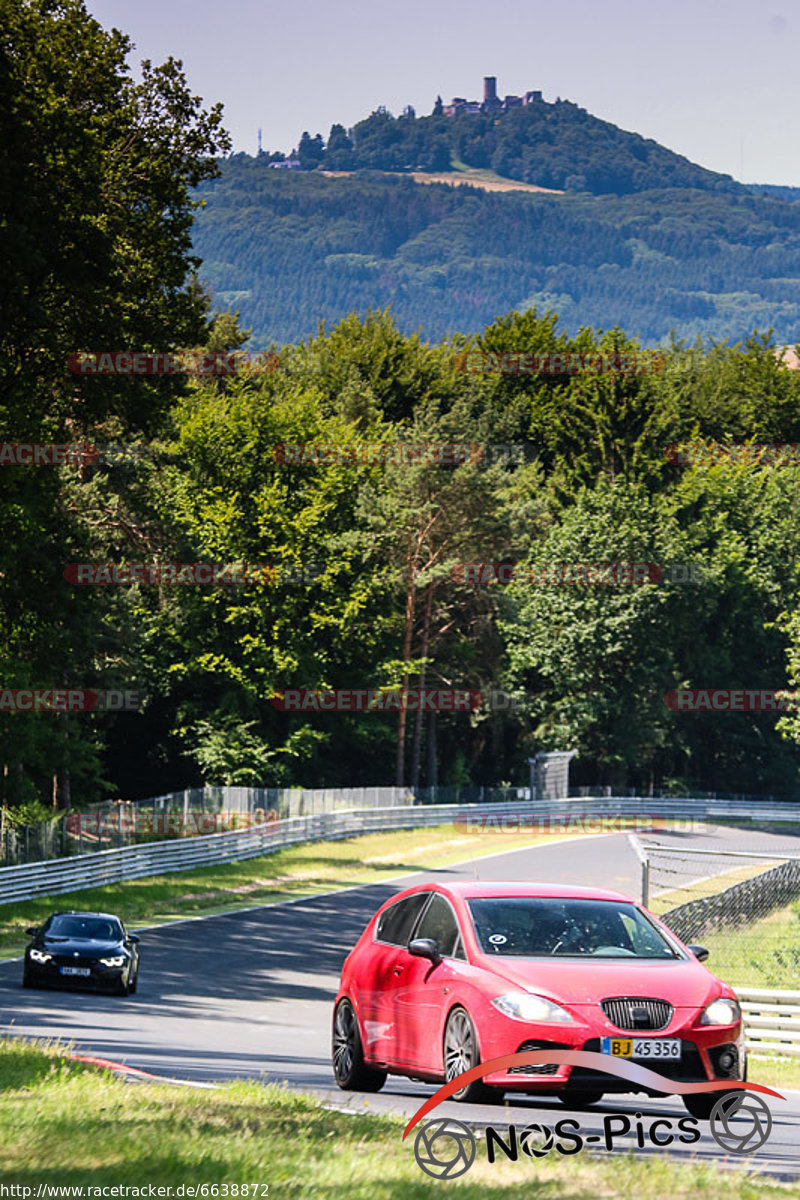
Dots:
{"x": 543, "y": 927}
{"x": 99, "y": 929}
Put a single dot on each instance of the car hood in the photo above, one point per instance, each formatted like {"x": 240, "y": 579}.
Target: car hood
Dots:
{"x": 81, "y": 947}
{"x": 684, "y": 983}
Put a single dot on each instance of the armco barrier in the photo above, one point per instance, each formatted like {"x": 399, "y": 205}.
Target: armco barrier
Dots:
{"x": 156, "y": 858}
{"x": 771, "y": 1020}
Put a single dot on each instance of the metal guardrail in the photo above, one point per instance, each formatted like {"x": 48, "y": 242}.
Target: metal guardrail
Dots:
{"x": 771, "y": 1020}
{"x": 595, "y": 815}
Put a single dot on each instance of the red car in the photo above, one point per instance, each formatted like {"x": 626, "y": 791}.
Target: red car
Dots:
{"x": 449, "y": 975}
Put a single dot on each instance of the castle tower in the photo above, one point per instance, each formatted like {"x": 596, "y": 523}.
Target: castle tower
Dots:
{"x": 490, "y": 89}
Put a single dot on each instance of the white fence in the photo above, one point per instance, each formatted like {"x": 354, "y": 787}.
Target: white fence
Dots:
{"x": 181, "y": 854}
{"x": 771, "y": 1020}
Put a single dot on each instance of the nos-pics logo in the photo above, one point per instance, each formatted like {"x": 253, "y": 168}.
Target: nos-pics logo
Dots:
{"x": 740, "y": 1121}
{"x": 446, "y": 1148}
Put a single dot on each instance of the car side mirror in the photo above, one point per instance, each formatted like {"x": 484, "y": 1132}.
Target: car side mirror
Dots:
{"x": 700, "y": 953}
{"x": 134, "y": 938}
{"x": 32, "y": 930}
{"x": 425, "y": 948}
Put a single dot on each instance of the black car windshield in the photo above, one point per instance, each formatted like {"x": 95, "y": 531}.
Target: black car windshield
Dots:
{"x": 545, "y": 927}
{"x": 98, "y": 929}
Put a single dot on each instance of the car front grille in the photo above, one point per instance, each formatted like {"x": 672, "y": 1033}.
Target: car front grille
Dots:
{"x": 62, "y": 960}
{"x": 538, "y": 1068}
{"x": 633, "y": 1013}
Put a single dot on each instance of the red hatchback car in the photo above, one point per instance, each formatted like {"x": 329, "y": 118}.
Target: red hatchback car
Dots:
{"x": 449, "y": 975}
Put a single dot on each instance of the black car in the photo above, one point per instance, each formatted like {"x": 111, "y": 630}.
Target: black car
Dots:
{"x": 84, "y": 949}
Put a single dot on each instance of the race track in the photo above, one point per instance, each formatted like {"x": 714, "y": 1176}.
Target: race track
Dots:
{"x": 248, "y": 994}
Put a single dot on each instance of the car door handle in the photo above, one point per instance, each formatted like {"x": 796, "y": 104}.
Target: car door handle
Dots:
{"x": 398, "y": 970}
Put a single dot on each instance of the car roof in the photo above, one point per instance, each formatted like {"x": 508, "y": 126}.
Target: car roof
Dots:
{"x": 474, "y": 890}
{"x": 73, "y": 912}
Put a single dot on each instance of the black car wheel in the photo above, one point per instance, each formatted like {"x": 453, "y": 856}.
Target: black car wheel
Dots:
{"x": 132, "y": 984}
{"x": 700, "y": 1106}
{"x": 349, "y": 1069}
{"x": 460, "y": 1054}
{"x": 579, "y": 1099}
{"x": 27, "y": 982}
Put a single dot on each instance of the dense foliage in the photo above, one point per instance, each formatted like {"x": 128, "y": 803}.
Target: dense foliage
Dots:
{"x": 372, "y": 592}
{"x": 291, "y": 248}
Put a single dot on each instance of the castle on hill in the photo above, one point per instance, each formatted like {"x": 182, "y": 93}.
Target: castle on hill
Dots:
{"x": 491, "y": 101}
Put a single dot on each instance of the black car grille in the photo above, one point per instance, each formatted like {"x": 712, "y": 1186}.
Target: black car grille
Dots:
{"x": 538, "y": 1068}
{"x": 688, "y": 1069}
{"x": 63, "y": 960}
{"x": 633, "y": 1013}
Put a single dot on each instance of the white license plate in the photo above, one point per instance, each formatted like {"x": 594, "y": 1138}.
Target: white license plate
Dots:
{"x": 642, "y": 1047}
{"x": 76, "y": 971}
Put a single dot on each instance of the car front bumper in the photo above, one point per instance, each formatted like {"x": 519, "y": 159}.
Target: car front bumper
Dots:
{"x": 705, "y": 1051}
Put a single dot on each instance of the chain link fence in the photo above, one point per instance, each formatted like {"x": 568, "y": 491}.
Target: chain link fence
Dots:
{"x": 742, "y": 904}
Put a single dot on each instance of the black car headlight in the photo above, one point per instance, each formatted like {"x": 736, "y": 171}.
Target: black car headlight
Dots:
{"x": 39, "y": 956}
{"x": 118, "y": 960}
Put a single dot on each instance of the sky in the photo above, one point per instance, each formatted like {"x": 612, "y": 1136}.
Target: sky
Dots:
{"x": 714, "y": 80}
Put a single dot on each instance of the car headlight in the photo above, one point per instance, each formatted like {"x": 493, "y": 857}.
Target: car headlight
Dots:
{"x": 525, "y": 1007}
{"x": 40, "y": 956}
{"x": 119, "y": 960}
{"x": 721, "y": 1012}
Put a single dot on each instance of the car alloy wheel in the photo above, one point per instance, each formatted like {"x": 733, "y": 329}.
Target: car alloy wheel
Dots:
{"x": 460, "y": 1054}
{"x": 349, "y": 1069}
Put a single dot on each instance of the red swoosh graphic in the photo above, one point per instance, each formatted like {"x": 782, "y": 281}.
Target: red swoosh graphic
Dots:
{"x": 606, "y": 1063}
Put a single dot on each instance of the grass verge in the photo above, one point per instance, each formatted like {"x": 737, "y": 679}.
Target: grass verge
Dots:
{"x": 295, "y": 872}
{"x": 765, "y": 953}
{"x": 66, "y": 1124}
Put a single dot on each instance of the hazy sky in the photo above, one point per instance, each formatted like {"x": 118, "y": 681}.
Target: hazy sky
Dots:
{"x": 716, "y": 80}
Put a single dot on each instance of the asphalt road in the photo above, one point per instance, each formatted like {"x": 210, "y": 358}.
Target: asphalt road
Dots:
{"x": 249, "y": 994}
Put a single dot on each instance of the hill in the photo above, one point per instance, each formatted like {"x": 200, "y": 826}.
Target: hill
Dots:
{"x": 291, "y": 248}
{"x": 555, "y": 145}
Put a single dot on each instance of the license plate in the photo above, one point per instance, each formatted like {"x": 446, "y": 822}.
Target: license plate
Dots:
{"x": 76, "y": 971}
{"x": 642, "y": 1047}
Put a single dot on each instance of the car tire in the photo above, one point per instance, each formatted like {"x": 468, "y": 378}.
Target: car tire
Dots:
{"x": 349, "y": 1069}
{"x": 132, "y": 984}
{"x": 580, "y": 1100}
{"x": 461, "y": 1052}
{"x": 700, "y": 1106}
{"x": 27, "y": 982}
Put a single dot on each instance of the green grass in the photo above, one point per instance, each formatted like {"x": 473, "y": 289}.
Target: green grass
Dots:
{"x": 775, "y": 1070}
{"x": 765, "y": 953}
{"x": 70, "y": 1125}
{"x": 298, "y": 871}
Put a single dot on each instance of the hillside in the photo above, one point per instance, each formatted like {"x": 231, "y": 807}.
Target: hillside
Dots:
{"x": 555, "y": 145}
{"x": 291, "y": 248}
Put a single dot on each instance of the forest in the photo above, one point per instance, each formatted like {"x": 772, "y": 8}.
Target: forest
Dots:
{"x": 291, "y": 248}
{"x": 344, "y": 568}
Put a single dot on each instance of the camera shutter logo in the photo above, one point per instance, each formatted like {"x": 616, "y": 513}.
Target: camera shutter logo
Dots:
{"x": 445, "y": 1148}
{"x": 740, "y": 1123}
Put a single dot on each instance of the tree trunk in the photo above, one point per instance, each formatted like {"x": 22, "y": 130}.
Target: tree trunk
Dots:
{"x": 416, "y": 752}
{"x": 411, "y": 595}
